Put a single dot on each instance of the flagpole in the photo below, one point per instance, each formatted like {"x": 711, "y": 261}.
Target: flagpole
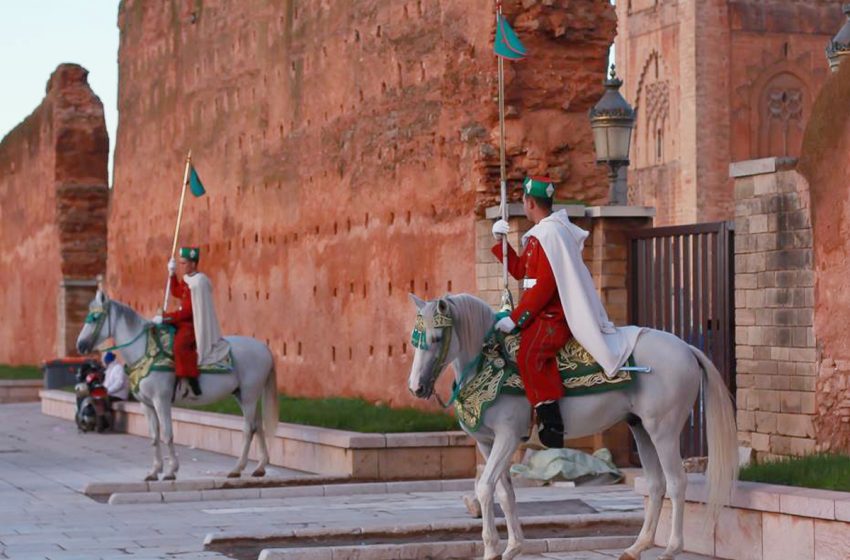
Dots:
{"x": 177, "y": 226}
{"x": 507, "y": 300}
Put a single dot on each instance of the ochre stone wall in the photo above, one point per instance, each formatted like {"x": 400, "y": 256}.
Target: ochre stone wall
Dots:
{"x": 714, "y": 82}
{"x": 825, "y": 165}
{"x": 53, "y": 200}
{"x": 346, "y": 148}
{"x": 776, "y": 349}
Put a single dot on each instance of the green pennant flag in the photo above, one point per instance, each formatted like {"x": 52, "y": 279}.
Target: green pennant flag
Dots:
{"x": 507, "y": 44}
{"x": 195, "y": 184}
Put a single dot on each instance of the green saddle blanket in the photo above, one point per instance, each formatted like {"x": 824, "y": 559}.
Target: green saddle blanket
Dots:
{"x": 497, "y": 373}
{"x": 159, "y": 356}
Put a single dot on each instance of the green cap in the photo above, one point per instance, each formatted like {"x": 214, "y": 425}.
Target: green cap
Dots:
{"x": 190, "y": 253}
{"x": 540, "y": 187}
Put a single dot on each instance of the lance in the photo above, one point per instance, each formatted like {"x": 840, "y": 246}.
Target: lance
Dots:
{"x": 508, "y": 46}
{"x": 177, "y": 227}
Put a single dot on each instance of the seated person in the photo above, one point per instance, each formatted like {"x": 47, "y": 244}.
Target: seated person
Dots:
{"x": 116, "y": 382}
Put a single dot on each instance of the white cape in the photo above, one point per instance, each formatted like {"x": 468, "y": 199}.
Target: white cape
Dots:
{"x": 212, "y": 348}
{"x": 563, "y": 241}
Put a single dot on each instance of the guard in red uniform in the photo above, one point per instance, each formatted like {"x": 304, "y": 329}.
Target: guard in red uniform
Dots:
{"x": 539, "y": 315}
{"x": 185, "y": 348}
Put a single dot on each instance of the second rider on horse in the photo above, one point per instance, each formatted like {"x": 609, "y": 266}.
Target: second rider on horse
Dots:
{"x": 198, "y": 339}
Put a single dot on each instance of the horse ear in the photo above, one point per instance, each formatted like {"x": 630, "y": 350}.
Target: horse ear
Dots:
{"x": 417, "y": 301}
{"x": 443, "y": 306}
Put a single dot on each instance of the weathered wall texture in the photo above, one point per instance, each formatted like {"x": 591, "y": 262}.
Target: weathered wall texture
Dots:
{"x": 345, "y": 147}
{"x": 825, "y": 164}
{"x": 716, "y": 81}
{"x": 774, "y": 310}
{"x": 53, "y": 201}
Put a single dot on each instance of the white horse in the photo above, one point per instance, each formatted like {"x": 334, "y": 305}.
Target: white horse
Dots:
{"x": 252, "y": 378}
{"x": 655, "y": 406}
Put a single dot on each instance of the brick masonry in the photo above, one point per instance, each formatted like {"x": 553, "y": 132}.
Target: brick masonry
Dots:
{"x": 53, "y": 203}
{"x": 346, "y": 148}
{"x": 776, "y": 350}
{"x": 716, "y": 81}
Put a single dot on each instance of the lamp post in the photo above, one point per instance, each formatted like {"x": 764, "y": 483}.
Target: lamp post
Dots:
{"x": 839, "y": 46}
{"x": 612, "y": 120}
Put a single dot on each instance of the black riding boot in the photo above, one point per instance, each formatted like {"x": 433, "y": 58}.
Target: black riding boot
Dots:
{"x": 196, "y": 387}
{"x": 551, "y": 431}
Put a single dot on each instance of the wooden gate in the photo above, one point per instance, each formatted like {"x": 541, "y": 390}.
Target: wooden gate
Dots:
{"x": 682, "y": 282}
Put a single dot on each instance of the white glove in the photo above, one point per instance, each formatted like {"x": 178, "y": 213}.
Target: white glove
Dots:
{"x": 157, "y": 320}
{"x": 501, "y": 227}
{"x": 506, "y": 325}
{"x": 172, "y": 266}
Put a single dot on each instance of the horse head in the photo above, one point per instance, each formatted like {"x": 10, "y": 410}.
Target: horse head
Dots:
{"x": 97, "y": 326}
{"x": 434, "y": 346}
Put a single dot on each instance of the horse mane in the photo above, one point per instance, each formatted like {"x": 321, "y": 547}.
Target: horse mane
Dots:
{"x": 473, "y": 318}
{"x": 133, "y": 318}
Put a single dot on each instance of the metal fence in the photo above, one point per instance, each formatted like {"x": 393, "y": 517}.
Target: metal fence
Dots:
{"x": 682, "y": 282}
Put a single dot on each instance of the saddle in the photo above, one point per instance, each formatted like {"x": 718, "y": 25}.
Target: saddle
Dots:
{"x": 496, "y": 373}
{"x": 159, "y": 356}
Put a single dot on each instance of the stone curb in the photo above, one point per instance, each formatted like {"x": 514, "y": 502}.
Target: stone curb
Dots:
{"x": 567, "y": 521}
{"x": 214, "y": 493}
{"x": 440, "y": 550}
{"x": 100, "y": 488}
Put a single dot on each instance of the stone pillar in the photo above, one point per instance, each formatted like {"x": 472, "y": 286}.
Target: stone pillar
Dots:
{"x": 72, "y": 306}
{"x": 606, "y": 256}
{"x": 774, "y": 309}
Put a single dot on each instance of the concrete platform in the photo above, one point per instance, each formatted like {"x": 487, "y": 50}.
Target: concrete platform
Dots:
{"x": 45, "y": 465}
{"x": 404, "y": 456}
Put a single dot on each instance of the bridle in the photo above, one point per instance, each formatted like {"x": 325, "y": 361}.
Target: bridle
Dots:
{"x": 419, "y": 339}
{"x": 99, "y": 316}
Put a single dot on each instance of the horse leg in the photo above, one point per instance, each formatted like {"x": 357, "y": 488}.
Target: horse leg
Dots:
{"x": 655, "y": 478}
{"x": 264, "y": 451}
{"x": 469, "y": 500}
{"x": 162, "y": 404}
{"x": 497, "y": 463}
{"x": 249, "y": 428}
{"x": 507, "y": 499}
{"x": 153, "y": 428}
{"x": 665, "y": 436}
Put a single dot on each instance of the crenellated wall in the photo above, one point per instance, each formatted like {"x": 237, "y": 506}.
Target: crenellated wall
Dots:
{"x": 347, "y": 148}
{"x": 53, "y": 206}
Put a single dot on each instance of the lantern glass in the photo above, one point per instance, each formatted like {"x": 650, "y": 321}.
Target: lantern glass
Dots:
{"x": 612, "y": 142}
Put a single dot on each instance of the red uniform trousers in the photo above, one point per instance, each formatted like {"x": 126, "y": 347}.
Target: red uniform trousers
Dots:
{"x": 540, "y": 317}
{"x": 185, "y": 347}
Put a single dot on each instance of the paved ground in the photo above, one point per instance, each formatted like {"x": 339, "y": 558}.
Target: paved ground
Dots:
{"x": 45, "y": 463}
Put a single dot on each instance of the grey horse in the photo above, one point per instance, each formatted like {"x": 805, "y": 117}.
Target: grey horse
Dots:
{"x": 656, "y": 407}
{"x": 252, "y": 379}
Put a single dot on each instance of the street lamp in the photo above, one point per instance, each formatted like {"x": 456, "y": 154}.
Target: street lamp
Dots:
{"x": 839, "y": 46}
{"x": 612, "y": 121}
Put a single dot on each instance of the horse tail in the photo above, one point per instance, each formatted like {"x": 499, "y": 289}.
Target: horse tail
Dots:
{"x": 722, "y": 436}
{"x": 270, "y": 410}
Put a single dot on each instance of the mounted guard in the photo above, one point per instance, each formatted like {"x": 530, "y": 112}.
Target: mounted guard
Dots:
{"x": 559, "y": 301}
{"x": 198, "y": 340}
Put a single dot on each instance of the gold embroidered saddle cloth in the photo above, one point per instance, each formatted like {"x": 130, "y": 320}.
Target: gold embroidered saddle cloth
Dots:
{"x": 159, "y": 356}
{"x": 497, "y": 373}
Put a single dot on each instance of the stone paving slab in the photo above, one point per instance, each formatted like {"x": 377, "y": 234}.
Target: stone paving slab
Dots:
{"x": 45, "y": 465}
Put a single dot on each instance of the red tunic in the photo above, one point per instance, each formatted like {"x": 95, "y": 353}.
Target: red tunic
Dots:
{"x": 185, "y": 349}
{"x": 540, "y": 317}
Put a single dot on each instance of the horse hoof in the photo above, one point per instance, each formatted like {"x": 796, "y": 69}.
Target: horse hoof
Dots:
{"x": 258, "y": 472}
{"x": 151, "y": 478}
{"x": 511, "y": 553}
{"x": 169, "y": 477}
{"x": 627, "y": 556}
{"x": 472, "y": 506}
{"x": 233, "y": 474}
